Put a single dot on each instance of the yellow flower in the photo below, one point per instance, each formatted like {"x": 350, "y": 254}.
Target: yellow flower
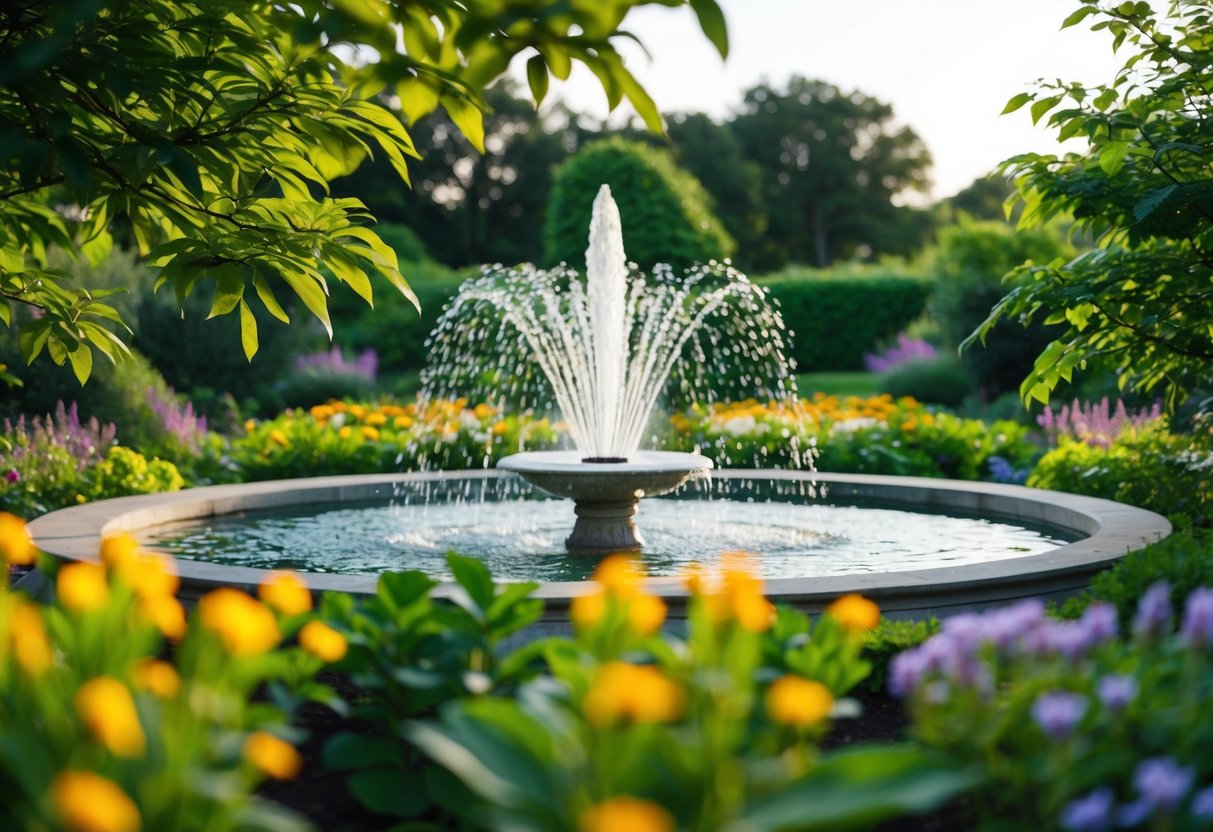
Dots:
{"x": 156, "y": 676}
{"x": 854, "y": 612}
{"x": 28, "y": 638}
{"x": 286, "y": 592}
{"x": 250, "y": 425}
{"x": 165, "y": 613}
{"x": 633, "y": 693}
{"x": 321, "y": 412}
{"x": 16, "y": 546}
{"x": 345, "y": 432}
{"x": 245, "y": 626}
{"x": 272, "y": 756}
{"x": 375, "y": 419}
{"x": 118, "y": 551}
{"x": 619, "y": 575}
{"x": 87, "y": 802}
{"x": 369, "y": 433}
{"x": 792, "y": 700}
{"x": 323, "y": 642}
{"x": 152, "y": 576}
{"x": 625, "y": 814}
{"x": 402, "y": 422}
{"x": 500, "y": 428}
{"x": 279, "y": 438}
{"x": 646, "y": 613}
{"x": 482, "y": 411}
{"x": 588, "y": 609}
{"x": 82, "y": 586}
{"x": 357, "y": 411}
{"x": 108, "y": 711}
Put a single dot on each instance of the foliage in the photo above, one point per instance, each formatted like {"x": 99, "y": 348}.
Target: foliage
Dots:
{"x": 102, "y": 733}
{"x": 942, "y": 381}
{"x": 124, "y": 471}
{"x": 1076, "y": 728}
{"x": 832, "y": 163}
{"x": 410, "y": 652}
{"x": 664, "y": 210}
{"x": 345, "y": 438}
{"x": 1139, "y": 302}
{"x": 886, "y": 641}
{"x": 43, "y": 460}
{"x": 212, "y": 131}
{"x": 1148, "y": 467}
{"x": 1184, "y": 560}
{"x": 969, "y": 262}
{"x": 716, "y": 730}
{"x": 841, "y": 314}
{"x": 874, "y": 435}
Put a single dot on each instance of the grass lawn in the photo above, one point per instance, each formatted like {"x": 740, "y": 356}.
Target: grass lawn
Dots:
{"x": 859, "y": 383}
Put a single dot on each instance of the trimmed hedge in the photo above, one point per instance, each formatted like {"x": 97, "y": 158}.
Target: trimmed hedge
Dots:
{"x": 665, "y": 211}
{"x": 837, "y": 317}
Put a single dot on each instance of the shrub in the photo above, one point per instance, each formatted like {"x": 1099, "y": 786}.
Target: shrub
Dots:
{"x": 125, "y": 471}
{"x": 837, "y": 315}
{"x": 942, "y": 381}
{"x": 1075, "y": 727}
{"x": 665, "y": 211}
{"x": 42, "y": 460}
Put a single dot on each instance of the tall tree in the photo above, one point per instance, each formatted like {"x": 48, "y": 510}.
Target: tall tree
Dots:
{"x": 1141, "y": 301}
{"x": 835, "y": 166}
{"x": 212, "y": 129}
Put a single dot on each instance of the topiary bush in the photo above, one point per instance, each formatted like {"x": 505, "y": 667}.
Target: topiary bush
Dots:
{"x": 839, "y": 315}
{"x": 943, "y": 381}
{"x": 666, "y": 212}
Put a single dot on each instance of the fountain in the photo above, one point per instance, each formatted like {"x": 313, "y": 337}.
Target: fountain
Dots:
{"x": 608, "y": 348}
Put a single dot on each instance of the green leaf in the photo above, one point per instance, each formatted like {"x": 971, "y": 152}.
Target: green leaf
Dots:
{"x": 537, "y": 78}
{"x": 1043, "y": 106}
{"x": 347, "y": 751}
{"x": 269, "y": 300}
{"x": 389, "y": 791}
{"x": 1079, "y": 16}
{"x": 471, "y": 574}
{"x": 229, "y": 290}
{"x": 82, "y": 362}
{"x": 711, "y": 21}
{"x": 468, "y": 119}
{"x": 404, "y": 588}
{"x": 1112, "y": 156}
{"x": 1016, "y": 102}
{"x": 312, "y": 295}
{"x": 248, "y": 331}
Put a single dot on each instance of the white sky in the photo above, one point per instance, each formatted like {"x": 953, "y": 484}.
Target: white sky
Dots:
{"x": 946, "y": 66}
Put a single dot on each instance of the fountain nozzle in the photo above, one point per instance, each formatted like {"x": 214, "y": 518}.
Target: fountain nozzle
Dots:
{"x": 611, "y": 460}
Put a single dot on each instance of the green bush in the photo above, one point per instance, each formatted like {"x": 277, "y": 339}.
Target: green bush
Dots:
{"x": 943, "y": 381}
{"x": 665, "y": 211}
{"x": 889, "y": 638}
{"x": 838, "y": 315}
{"x": 969, "y": 265}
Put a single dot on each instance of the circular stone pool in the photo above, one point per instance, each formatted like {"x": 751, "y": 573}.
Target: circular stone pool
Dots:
{"x": 809, "y": 552}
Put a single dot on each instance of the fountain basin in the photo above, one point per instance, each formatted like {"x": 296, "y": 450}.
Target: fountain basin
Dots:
{"x": 605, "y": 494}
{"x": 1111, "y": 530}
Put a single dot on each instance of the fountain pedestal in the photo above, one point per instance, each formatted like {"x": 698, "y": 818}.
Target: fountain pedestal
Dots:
{"x": 606, "y": 494}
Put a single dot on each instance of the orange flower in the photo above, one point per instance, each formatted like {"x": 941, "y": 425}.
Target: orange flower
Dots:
{"x": 279, "y": 438}
{"x": 27, "y": 635}
{"x": 82, "y": 587}
{"x": 855, "y": 613}
{"x": 245, "y": 626}
{"x": 742, "y": 591}
{"x": 152, "y": 576}
{"x": 108, "y": 711}
{"x": 272, "y": 756}
{"x": 16, "y": 546}
{"x": 345, "y": 432}
{"x": 632, "y": 693}
{"x": 792, "y": 700}
{"x": 118, "y": 551}
{"x": 286, "y": 592}
{"x": 625, "y": 814}
{"x": 619, "y": 575}
{"x": 166, "y": 614}
{"x": 156, "y": 676}
{"x": 323, "y": 642}
{"x": 588, "y": 609}
{"x": 402, "y": 422}
{"x": 87, "y": 802}
{"x": 376, "y": 420}
{"x": 646, "y": 614}
{"x": 369, "y": 433}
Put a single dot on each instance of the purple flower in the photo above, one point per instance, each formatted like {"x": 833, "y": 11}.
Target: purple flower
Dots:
{"x": 1095, "y": 423}
{"x": 12, "y": 476}
{"x": 1058, "y": 713}
{"x": 905, "y": 672}
{"x": 1153, "y": 611}
{"x": 1162, "y": 783}
{"x": 1116, "y": 692}
{"x": 1202, "y": 803}
{"x": 1092, "y": 813}
{"x": 334, "y": 362}
{"x": 1198, "y": 618}
{"x": 906, "y": 350}
{"x": 1100, "y": 622}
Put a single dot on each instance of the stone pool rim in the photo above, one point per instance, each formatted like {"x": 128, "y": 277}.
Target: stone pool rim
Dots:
{"x": 1112, "y": 530}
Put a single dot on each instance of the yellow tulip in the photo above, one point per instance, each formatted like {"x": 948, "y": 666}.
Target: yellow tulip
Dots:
{"x": 792, "y": 700}
{"x": 245, "y": 626}
{"x": 323, "y": 642}
{"x": 82, "y": 586}
{"x": 625, "y": 814}
{"x": 286, "y": 592}
{"x": 108, "y": 711}
{"x": 27, "y": 635}
{"x": 16, "y": 546}
{"x": 855, "y": 613}
{"x": 161, "y": 678}
{"x": 87, "y": 802}
{"x": 272, "y": 756}
{"x": 632, "y": 693}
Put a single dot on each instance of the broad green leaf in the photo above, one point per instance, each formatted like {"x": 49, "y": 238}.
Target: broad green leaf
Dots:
{"x": 1112, "y": 156}
{"x": 312, "y": 295}
{"x": 82, "y": 362}
{"x": 1042, "y": 106}
{"x": 1016, "y": 102}
{"x": 347, "y": 751}
{"x": 711, "y": 21}
{"x": 537, "y": 78}
{"x": 268, "y": 300}
{"x": 248, "y": 331}
{"x": 229, "y": 289}
{"x": 1080, "y": 15}
{"x": 417, "y": 98}
{"x": 468, "y": 119}
{"x": 389, "y": 791}
{"x": 471, "y": 574}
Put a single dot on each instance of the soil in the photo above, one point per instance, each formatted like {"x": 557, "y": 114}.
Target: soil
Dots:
{"x": 321, "y": 795}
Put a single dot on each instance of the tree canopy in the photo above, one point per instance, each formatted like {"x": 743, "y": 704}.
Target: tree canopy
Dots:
{"x": 1141, "y": 301}
{"x": 210, "y": 131}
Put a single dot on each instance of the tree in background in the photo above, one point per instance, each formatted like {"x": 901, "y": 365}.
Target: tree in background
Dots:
{"x": 211, "y": 130}
{"x": 834, "y": 166}
{"x": 664, "y": 210}
{"x": 982, "y": 199}
{"x": 1141, "y": 302}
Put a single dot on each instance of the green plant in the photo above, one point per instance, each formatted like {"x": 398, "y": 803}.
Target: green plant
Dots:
{"x": 1139, "y": 301}
{"x": 125, "y": 471}
{"x": 409, "y": 653}
{"x": 665, "y": 211}
{"x": 882, "y": 644}
{"x": 841, "y": 314}
{"x": 942, "y": 381}
{"x": 1076, "y": 728}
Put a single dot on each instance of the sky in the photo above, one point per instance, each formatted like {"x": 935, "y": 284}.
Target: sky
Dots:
{"x": 947, "y": 67}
